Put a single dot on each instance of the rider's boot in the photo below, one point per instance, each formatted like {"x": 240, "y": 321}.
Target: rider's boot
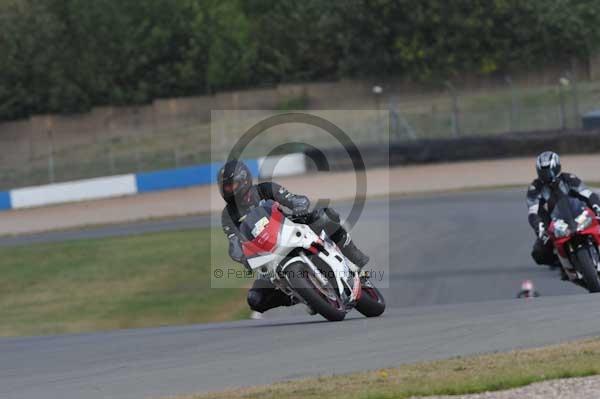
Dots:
{"x": 557, "y": 265}
{"x": 327, "y": 219}
{"x": 563, "y": 275}
{"x": 354, "y": 255}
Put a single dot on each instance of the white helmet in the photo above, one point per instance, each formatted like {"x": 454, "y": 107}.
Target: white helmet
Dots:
{"x": 548, "y": 166}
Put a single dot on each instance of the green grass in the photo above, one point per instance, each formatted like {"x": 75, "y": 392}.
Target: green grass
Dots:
{"x": 104, "y": 284}
{"x": 293, "y": 104}
{"x": 456, "y": 376}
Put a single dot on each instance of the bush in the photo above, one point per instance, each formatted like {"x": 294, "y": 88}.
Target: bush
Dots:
{"x": 69, "y": 55}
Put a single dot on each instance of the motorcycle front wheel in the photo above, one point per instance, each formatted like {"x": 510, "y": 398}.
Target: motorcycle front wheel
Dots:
{"x": 588, "y": 269}
{"x": 322, "y": 300}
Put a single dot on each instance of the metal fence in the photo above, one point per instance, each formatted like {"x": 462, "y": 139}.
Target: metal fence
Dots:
{"x": 446, "y": 113}
{"x": 498, "y": 111}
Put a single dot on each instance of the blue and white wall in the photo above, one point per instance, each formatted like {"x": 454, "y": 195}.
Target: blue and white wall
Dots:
{"x": 145, "y": 182}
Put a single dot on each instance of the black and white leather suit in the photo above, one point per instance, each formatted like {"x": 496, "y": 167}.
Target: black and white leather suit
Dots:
{"x": 541, "y": 203}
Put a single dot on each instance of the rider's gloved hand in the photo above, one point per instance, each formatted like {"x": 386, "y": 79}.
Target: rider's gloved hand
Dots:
{"x": 300, "y": 211}
{"x": 299, "y": 205}
{"x": 543, "y": 234}
{"x": 596, "y": 209}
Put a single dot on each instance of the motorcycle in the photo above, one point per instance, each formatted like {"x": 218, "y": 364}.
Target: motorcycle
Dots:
{"x": 308, "y": 267}
{"x": 575, "y": 235}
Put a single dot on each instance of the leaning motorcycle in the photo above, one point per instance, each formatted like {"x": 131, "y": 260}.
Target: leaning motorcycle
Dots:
{"x": 308, "y": 267}
{"x": 575, "y": 234}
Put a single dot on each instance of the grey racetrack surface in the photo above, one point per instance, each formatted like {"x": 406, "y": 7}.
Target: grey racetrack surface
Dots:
{"x": 455, "y": 264}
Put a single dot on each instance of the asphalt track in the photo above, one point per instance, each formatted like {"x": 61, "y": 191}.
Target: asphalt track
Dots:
{"x": 453, "y": 263}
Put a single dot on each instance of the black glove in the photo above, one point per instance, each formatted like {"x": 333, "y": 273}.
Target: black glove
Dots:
{"x": 299, "y": 205}
{"x": 300, "y": 211}
{"x": 596, "y": 209}
{"x": 543, "y": 234}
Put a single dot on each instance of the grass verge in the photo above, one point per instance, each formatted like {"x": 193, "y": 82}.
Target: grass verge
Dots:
{"x": 127, "y": 282}
{"x": 455, "y": 376}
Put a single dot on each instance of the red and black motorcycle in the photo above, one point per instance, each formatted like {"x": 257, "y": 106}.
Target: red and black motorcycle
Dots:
{"x": 575, "y": 234}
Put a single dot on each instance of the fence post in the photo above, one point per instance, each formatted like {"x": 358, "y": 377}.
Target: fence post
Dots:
{"x": 513, "y": 104}
{"x": 111, "y": 159}
{"x": 51, "y": 172}
{"x": 176, "y": 155}
{"x": 398, "y": 124}
{"x": 563, "y": 83}
{"x": 378, "y": 92}
{"x": 575, "y": 91}
{"x": 138, "y": 158}
{"x": 27, "y": 178}
{"x": 455, "y": 110}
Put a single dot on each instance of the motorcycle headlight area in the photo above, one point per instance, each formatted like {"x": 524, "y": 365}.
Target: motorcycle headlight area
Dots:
{"x": 561, "y": 228}
{"x": 584, "y": 220}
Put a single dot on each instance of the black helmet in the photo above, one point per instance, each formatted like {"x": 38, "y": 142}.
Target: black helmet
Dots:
{"x": 235, "y": 179}
{"x": 548, "y": 166}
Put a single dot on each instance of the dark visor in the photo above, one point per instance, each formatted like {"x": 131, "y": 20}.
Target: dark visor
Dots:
{"x": 546, "y": 174}
{"x": 230, "y": 187}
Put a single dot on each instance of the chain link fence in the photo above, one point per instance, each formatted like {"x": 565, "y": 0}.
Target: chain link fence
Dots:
{"x": 504, "y": 110}
{"x": 447, "y": 113}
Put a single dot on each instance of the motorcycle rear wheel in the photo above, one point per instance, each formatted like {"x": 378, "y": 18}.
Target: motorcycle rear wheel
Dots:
{"x": 301, "y": 278}
{"x": 588, "y": 269}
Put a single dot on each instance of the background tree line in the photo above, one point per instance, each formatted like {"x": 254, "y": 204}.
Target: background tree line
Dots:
{"x": 70, "y": 55}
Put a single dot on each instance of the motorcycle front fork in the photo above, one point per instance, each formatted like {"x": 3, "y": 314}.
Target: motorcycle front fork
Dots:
{"x": 568, "y": 268}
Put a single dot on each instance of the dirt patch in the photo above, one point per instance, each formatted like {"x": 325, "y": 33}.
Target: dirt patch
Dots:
{"x": 571, "y": 388}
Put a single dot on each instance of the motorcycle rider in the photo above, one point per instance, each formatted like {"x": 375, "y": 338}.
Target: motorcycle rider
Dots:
{"x": 241, "y": 195}
{"x": 540, "y": 203}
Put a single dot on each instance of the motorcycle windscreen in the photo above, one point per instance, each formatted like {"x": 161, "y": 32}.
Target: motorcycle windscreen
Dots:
{"x": 568, "y": 208}
{"x": 261, "y": 228}
{"x": 256, "y": 219}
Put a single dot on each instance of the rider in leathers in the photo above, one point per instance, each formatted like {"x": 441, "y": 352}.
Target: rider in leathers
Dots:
{"x": 541, "y": 204}
{"x": 235, "y": 184}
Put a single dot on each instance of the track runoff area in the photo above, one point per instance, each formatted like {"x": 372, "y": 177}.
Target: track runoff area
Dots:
{"x": 457, "y": 262}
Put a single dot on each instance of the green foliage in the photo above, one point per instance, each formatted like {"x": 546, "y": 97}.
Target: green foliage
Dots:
{"x": 69, "y": 55}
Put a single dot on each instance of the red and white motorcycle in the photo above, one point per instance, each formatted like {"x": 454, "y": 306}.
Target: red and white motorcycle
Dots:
{"x": 309, "y": 268}
{"x": 575, "y": 234}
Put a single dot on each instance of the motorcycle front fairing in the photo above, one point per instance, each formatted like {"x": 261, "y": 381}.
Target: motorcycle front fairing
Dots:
{"x": 273, "y": 241}
{"x": 573, "y": 225}
{"x": 271, "y": 236}
{"x": 348, "y": 282}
